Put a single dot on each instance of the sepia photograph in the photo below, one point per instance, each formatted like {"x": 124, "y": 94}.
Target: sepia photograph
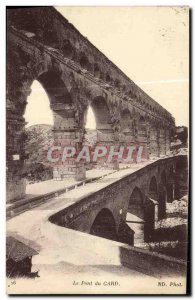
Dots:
{"x": 97, "y": 150}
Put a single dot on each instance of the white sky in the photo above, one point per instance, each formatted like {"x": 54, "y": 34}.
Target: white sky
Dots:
{"x": 149, "y": 44}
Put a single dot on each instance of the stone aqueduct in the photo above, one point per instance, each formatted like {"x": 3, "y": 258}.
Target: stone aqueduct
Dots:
{"x": 75, "y": 75}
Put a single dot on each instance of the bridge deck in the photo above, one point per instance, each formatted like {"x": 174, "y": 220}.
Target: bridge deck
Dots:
{"x": 40, "y": 192}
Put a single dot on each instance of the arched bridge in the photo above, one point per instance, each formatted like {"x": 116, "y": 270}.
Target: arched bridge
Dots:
{"x": 75, "y": 75}
{"x": 137, "y": 198}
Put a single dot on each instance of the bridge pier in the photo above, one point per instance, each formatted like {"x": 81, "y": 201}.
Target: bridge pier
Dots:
{"x": 167, "y": 142}
{"x": 162, "y": 202}
{"x": 162, "y": 142}
{"x": 170, "y": 191}
{"x": 142, "y": 140}
{"x": 137, "y": 225}
{"x": 149, "y": 219}
{"x": 127, "y": 139}
{"x": 141, "y": 216}
{"x": 106, "y": 138}
{"x": 181, "y": 178}
{"x": 154, "y": 143}
{"x": 67, "y": 134}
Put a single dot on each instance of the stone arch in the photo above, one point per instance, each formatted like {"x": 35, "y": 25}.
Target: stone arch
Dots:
{"x": 151, "y": 208}
{"x": 125, "y": 118}
{"x": 89, "y": 111}
{"x": 61, "y": 101}
{"x": 102, "y": 75}
{"x": 65, "y": 120}
{"x": 154, "y": 139}
{"x": 83, "y": 60}
{"x": 124, "y": 88}
{"x": 104, "y": 225}
{"x": 96, "y": 70}
{"x": 67, "y": 48}
{"x": 142, "y": 138}
{"x": 127, "y": 128}
{"x": 38, "y": 98}
{"x": 181, "y": 177}
{"x": 142, "y": 124}
{"x": 101, "y": 110}
{"x": 162, "y": 195}
{"x": 108, "y": 78}
{"x": 135, "y": 205}
{"x": 153, "y": 189}
{"x": 107, "y": 134}
{"x": 163, "y": 178}
{"x": 135, "y": 215}
{"x": 117, "y": 83}
{"x": 55, "y": 87}
{"x": 170, "y": 184}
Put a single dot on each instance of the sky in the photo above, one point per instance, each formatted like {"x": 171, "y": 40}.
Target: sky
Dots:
{"x": 149, "y": 44}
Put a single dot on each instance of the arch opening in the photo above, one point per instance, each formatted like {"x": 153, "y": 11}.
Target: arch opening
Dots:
{"x": 55, "y": 88}
{"x": 90, "y": 137}
{"x": 163, "y": 178}
{"x": 127, "y": 128}
{"x": 101, "y": 111}
{"x": 170, "y": 185}
{"x": 38, "y": 130}
{"x": 38, "y": 99}
{"x": 84, "y": 62}
{"x": 142, "y": 127}
{"x": 153, "y": 189}
{"x": 135, "y": 205}
{"x": 64, "y": 124}
{"x": 154, "y": 140}
{"x": 142, "y": 137}
{"x": 126, "y": 120}
{"x": 67, "y": 48}
{"x": 90, "y": 119}
{"x": 96, "y": 70}
{"x": 135, "y": 215}
{"x": 162, "y": 196}
{"x": 107, "y": 135}
{"x": 152, "y": 207}
{"x": 104, "y": 225}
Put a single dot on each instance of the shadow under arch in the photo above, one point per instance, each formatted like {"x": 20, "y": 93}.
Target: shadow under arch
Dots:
{"x": 135, "y": 215}
{"x": 142, "y": 124}
{"x": 163, "y": 178}
{"x": 126, "y": 119}
{"x": 135, "y": 205}
{"x": 162, "y": 196}
{"x": 151, "y": 208}
{"x": 55, "y": 87}
{"x": 101, "y": 111}
{"x": 104, "y": 225}
{"x": 153, "y": 189}
{"x": 107, "y": 134}
{"x": 170, "y": 185}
